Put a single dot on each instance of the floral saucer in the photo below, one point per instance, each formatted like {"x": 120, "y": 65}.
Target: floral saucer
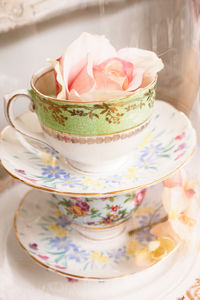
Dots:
{"x": 169, "y": 143}
{"x": 50, "y": 239}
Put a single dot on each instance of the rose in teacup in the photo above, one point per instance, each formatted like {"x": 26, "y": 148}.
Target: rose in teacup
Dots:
{"x": 92, "y": 70}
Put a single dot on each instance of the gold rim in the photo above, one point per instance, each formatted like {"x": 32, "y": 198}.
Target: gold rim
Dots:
{"x": 36, "y": 76}
{"x": 68, "y": 274}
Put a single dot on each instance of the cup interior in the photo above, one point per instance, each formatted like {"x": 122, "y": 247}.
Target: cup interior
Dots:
{"x": 44, "y": 82}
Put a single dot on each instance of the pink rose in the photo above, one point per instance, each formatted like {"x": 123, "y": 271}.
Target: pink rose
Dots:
{"x": 92, "y": 70}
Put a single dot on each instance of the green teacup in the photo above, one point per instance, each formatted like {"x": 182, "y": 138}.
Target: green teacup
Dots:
{"x": 93, "y": 136}
{"x": 89, "y": 118}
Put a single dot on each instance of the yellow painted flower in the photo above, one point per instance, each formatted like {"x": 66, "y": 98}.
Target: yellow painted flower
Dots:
{"x": 131, "y": 173}
{"x": 57, "y": 230}
{"x": 90, "y": 182}
{"x": 146, "y": 140}
{"x": 77, "y": 211}
{"x": 133, "y": 247}
{"x": 100, "y": 258}
{"x": 58, "y": 213}
{"x": 48, "y": 159}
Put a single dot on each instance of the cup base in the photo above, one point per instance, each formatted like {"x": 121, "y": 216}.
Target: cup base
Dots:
{"x": 100, "y": 167}
{"x": 101, "y": 234}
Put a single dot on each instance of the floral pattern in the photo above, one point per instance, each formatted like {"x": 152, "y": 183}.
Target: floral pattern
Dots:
{"x": 71, "y": 254}
{"x": 100, "y": 211}
{"x": 164, "y": 145}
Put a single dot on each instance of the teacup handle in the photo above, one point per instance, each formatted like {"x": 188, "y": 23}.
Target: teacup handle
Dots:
{"x": 9, "y": 101}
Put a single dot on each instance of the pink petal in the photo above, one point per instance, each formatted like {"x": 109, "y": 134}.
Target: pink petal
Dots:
{"x": 137, "y": 80}
{"x": 174, "y": 200}
{"x": 165, "y": 229}
{"x": 75, "y": 57}
{"x": 144, "y": 59}
{"x": 174, "y": 180}
{"x": 84, "y": 80}
{"x": 113, "y": 74}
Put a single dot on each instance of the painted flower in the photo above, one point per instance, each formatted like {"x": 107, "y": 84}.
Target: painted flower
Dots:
{"x": 180, "y": 147}
{"x": 99, "y": 257}
{"x": 91, "y": 69}
{"x": 69, "y": 181}
{"x": 139, "y": 197}
{"x": 62, "y": 243}
{"x": 144, "y": 235}
{"x": 78, "y": 211}
{"x": 114, "y": 207}
{"x": 152, "y": 149}
{"x": 44, "y": 257}
{"x": 22, "y": 172}
{"x": 78, "y": 255}
{"x": 53, "y": 172}
{"x": 63, "y": 221}
{"x": 117, "y": 253}
{"x": 58, "y": 230}
{"x": 180, "y": 137}
{"x": 83, "y": 205}
{"x": 146, "y": 162}
{"x": 33, "y": 246}
{"x": 51, "y": 151}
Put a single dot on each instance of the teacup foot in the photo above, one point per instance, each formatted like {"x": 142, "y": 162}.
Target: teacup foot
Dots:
{"x": 101, "y": 233}
{"x": 99, "y": 167}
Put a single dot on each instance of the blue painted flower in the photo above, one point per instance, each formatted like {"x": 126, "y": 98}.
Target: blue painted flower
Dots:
{"x": 117, "y": 253}
{"x": 146, "y": 162}
{"x": 53, "y": 172}
{"x": 51, "y": 151}
{"x": 144, "y": 235}
{"x": 63, "y": 221}
{"x": 70, "y": 181}
{"x": 78, "y": 255}
{"x": 62, "y": 244}
{"x": 152, "y": 149}
{"x": 112, "y": 179}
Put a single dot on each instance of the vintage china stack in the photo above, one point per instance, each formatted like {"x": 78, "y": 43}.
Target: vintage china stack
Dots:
{"x": 80, "y": 229}
{"x": 95, "y": 139}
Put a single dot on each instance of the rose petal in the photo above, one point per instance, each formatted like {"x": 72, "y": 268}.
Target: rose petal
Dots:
{"x": 74, "y": 58}
{"x": 174, "y": 180}
{"x": 137, "y": 79}
{"x": 165, "y": 229}
{"x": 174, "y": 200}
{"x": 84, "y": 81}
{"x": 143, "y": 59}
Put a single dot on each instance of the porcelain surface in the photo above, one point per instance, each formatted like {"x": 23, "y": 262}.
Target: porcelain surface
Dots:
{"x": 50, "y": 239}
{"x": 100, "y": 212}
{"x": 167, "y": 146}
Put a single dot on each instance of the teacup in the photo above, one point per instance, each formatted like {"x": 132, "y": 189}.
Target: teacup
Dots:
{"x": 100, "y": 217}
{"x": 93, "y": 136}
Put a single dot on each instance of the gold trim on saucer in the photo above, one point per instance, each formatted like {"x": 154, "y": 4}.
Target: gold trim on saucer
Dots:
{"x": 68, "y": 274}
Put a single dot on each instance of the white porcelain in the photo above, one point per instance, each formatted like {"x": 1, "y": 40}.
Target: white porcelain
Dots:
{"x": 168, "y": 145}
{"x": 52, "y": 241}
{"x": 22, "y": 278}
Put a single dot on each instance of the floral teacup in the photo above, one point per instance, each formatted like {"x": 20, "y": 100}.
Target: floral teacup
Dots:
{"x": 102, "y": 214}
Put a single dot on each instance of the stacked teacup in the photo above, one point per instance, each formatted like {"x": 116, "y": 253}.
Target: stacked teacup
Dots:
{"x": 94, "y": 105}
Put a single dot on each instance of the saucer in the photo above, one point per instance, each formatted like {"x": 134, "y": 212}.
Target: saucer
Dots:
{"x": 50, "y": 239}
{"x": 168, "y": 145}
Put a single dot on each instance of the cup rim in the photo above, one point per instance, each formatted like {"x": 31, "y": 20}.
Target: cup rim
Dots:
{"x": 42, "y": 71}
